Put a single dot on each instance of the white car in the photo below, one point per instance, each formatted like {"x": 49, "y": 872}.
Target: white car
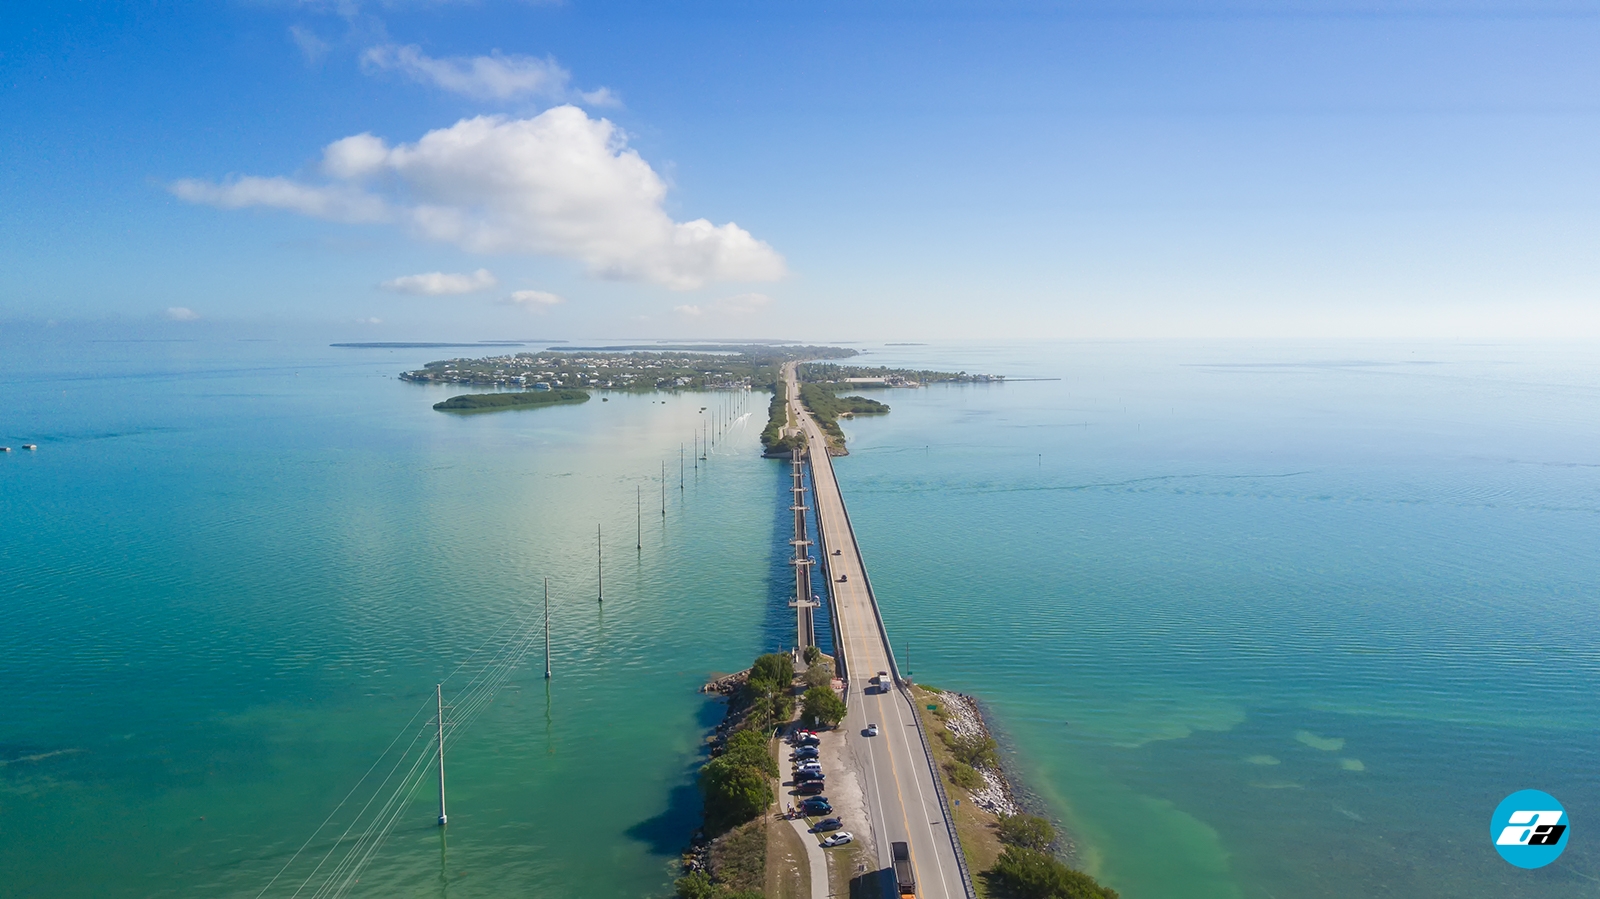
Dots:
{"x": 872, "y": 730}
{"x": 838, "y": 839}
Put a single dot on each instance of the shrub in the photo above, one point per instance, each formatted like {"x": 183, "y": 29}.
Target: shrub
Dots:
{"x": 1031, "y": 874}
{"x": 964, "y": 776}
{"x": 820, "y": 674}
{"x": 821, "y": 706}
{"x": 812, "y": 655}
{"x": 1027, "y": 831}
{"x": 977, "y": 751}
{"x": 696, "y": 885}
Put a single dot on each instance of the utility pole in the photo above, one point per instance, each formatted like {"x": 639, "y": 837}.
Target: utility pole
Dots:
{"x": 546, "y": 628}
{"x": 438, "y": 695}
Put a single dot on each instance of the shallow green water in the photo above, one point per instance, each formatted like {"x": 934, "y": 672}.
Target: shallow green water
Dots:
{"x": 234, "y": 570}
{"x": 1263, "y": 622}
{"x": 1259, "y": 622}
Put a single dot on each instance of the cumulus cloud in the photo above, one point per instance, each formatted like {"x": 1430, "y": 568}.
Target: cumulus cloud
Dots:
{"x": 440, "y": 284}
{"x": 498, "y": 76}
{"x": 182, "y": 314}
{"x": 734, "y": 306}
{"x": 534, "y": 299}
{"x": 557, "y": 184}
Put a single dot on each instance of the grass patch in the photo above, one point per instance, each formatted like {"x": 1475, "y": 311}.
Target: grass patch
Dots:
{"x": 788, "y": 870}
{"x": 975, "y": 828}
{"x": 740, "y": 857}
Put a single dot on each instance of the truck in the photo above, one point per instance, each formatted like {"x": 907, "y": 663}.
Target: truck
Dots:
{"x": 903, "y": 875}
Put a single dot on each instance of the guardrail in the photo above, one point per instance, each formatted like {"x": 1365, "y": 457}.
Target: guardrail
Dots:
{"x": 842, "y": 667}
{"x": 944, "y": 798}
{"x": 877, "y": 615}
{"x": 894, "y": 669}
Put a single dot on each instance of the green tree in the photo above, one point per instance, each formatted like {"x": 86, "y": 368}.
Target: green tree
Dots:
{"x": 750, "y": 749}
{"x": 734, "y": 793}
{"x": 1031, "y": 874}
{"x": 821, "y": 706}
{"x": 1027, "y": 831}
{"x": 777, "y": 667}
{"x": 812, "y": 655}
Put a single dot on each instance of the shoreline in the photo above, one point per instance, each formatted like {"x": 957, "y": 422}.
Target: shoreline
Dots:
{"x": 955, "y": 725}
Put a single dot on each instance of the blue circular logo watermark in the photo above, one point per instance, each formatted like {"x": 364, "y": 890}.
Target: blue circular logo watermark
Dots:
{"x": 1529, "y": 829}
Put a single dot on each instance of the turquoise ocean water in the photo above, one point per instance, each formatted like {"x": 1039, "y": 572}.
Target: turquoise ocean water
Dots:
{"x": 1258, "y": 621}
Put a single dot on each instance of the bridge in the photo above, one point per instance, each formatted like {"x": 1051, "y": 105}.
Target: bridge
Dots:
{"x": 904, "y": 796}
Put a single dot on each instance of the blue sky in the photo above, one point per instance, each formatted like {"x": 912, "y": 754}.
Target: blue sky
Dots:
{"x": 813, "y": 170}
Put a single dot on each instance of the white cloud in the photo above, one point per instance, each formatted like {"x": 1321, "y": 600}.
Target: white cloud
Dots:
{"x": 439, "y": 284}
{"x": 557, "y": 184}
{"x": 498, "y": 76}
{"x": 313, "y": 48}
{"x": 369, "y": 321}
{"x": 603, "y": 97}
{"x": 337, "y": 202}
{"x": 534, "y": 299}
{"x": 734, "y": 306}
{"x": 182, "y": 314}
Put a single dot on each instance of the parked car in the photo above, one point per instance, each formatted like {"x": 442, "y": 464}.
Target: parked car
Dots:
{"x": 827, "y": 824}
{"x": 802, "y": 777}
{"x": 805, "y": 752}
{"x": 809, "y": 740}
{"x": 817, "y": 805}
{"x": 810, "y": 788}
{"x": 838, "y": 839}
{"x": 872, "y": 730}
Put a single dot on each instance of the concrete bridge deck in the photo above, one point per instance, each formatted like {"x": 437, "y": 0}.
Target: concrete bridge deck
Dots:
{"x": 903, "y": 797}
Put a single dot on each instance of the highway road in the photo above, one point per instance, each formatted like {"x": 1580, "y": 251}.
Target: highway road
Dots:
{"x": 898, "y": 781}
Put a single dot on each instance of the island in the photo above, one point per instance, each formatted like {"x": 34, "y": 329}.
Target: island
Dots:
{"x": 634, "y": 368}
{"x": 486, "y": 402}
{"x": 820, "y": 383}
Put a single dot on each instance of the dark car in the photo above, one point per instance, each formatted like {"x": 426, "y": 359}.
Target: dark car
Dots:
{"x": 807, "y": 739}
{"x": 801, "y": 777}
{"x": 827, "y": 824}
{"x": 806, "y": 752}
{"x": 810, "y": 788}
{"x": 816, "y": 805}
